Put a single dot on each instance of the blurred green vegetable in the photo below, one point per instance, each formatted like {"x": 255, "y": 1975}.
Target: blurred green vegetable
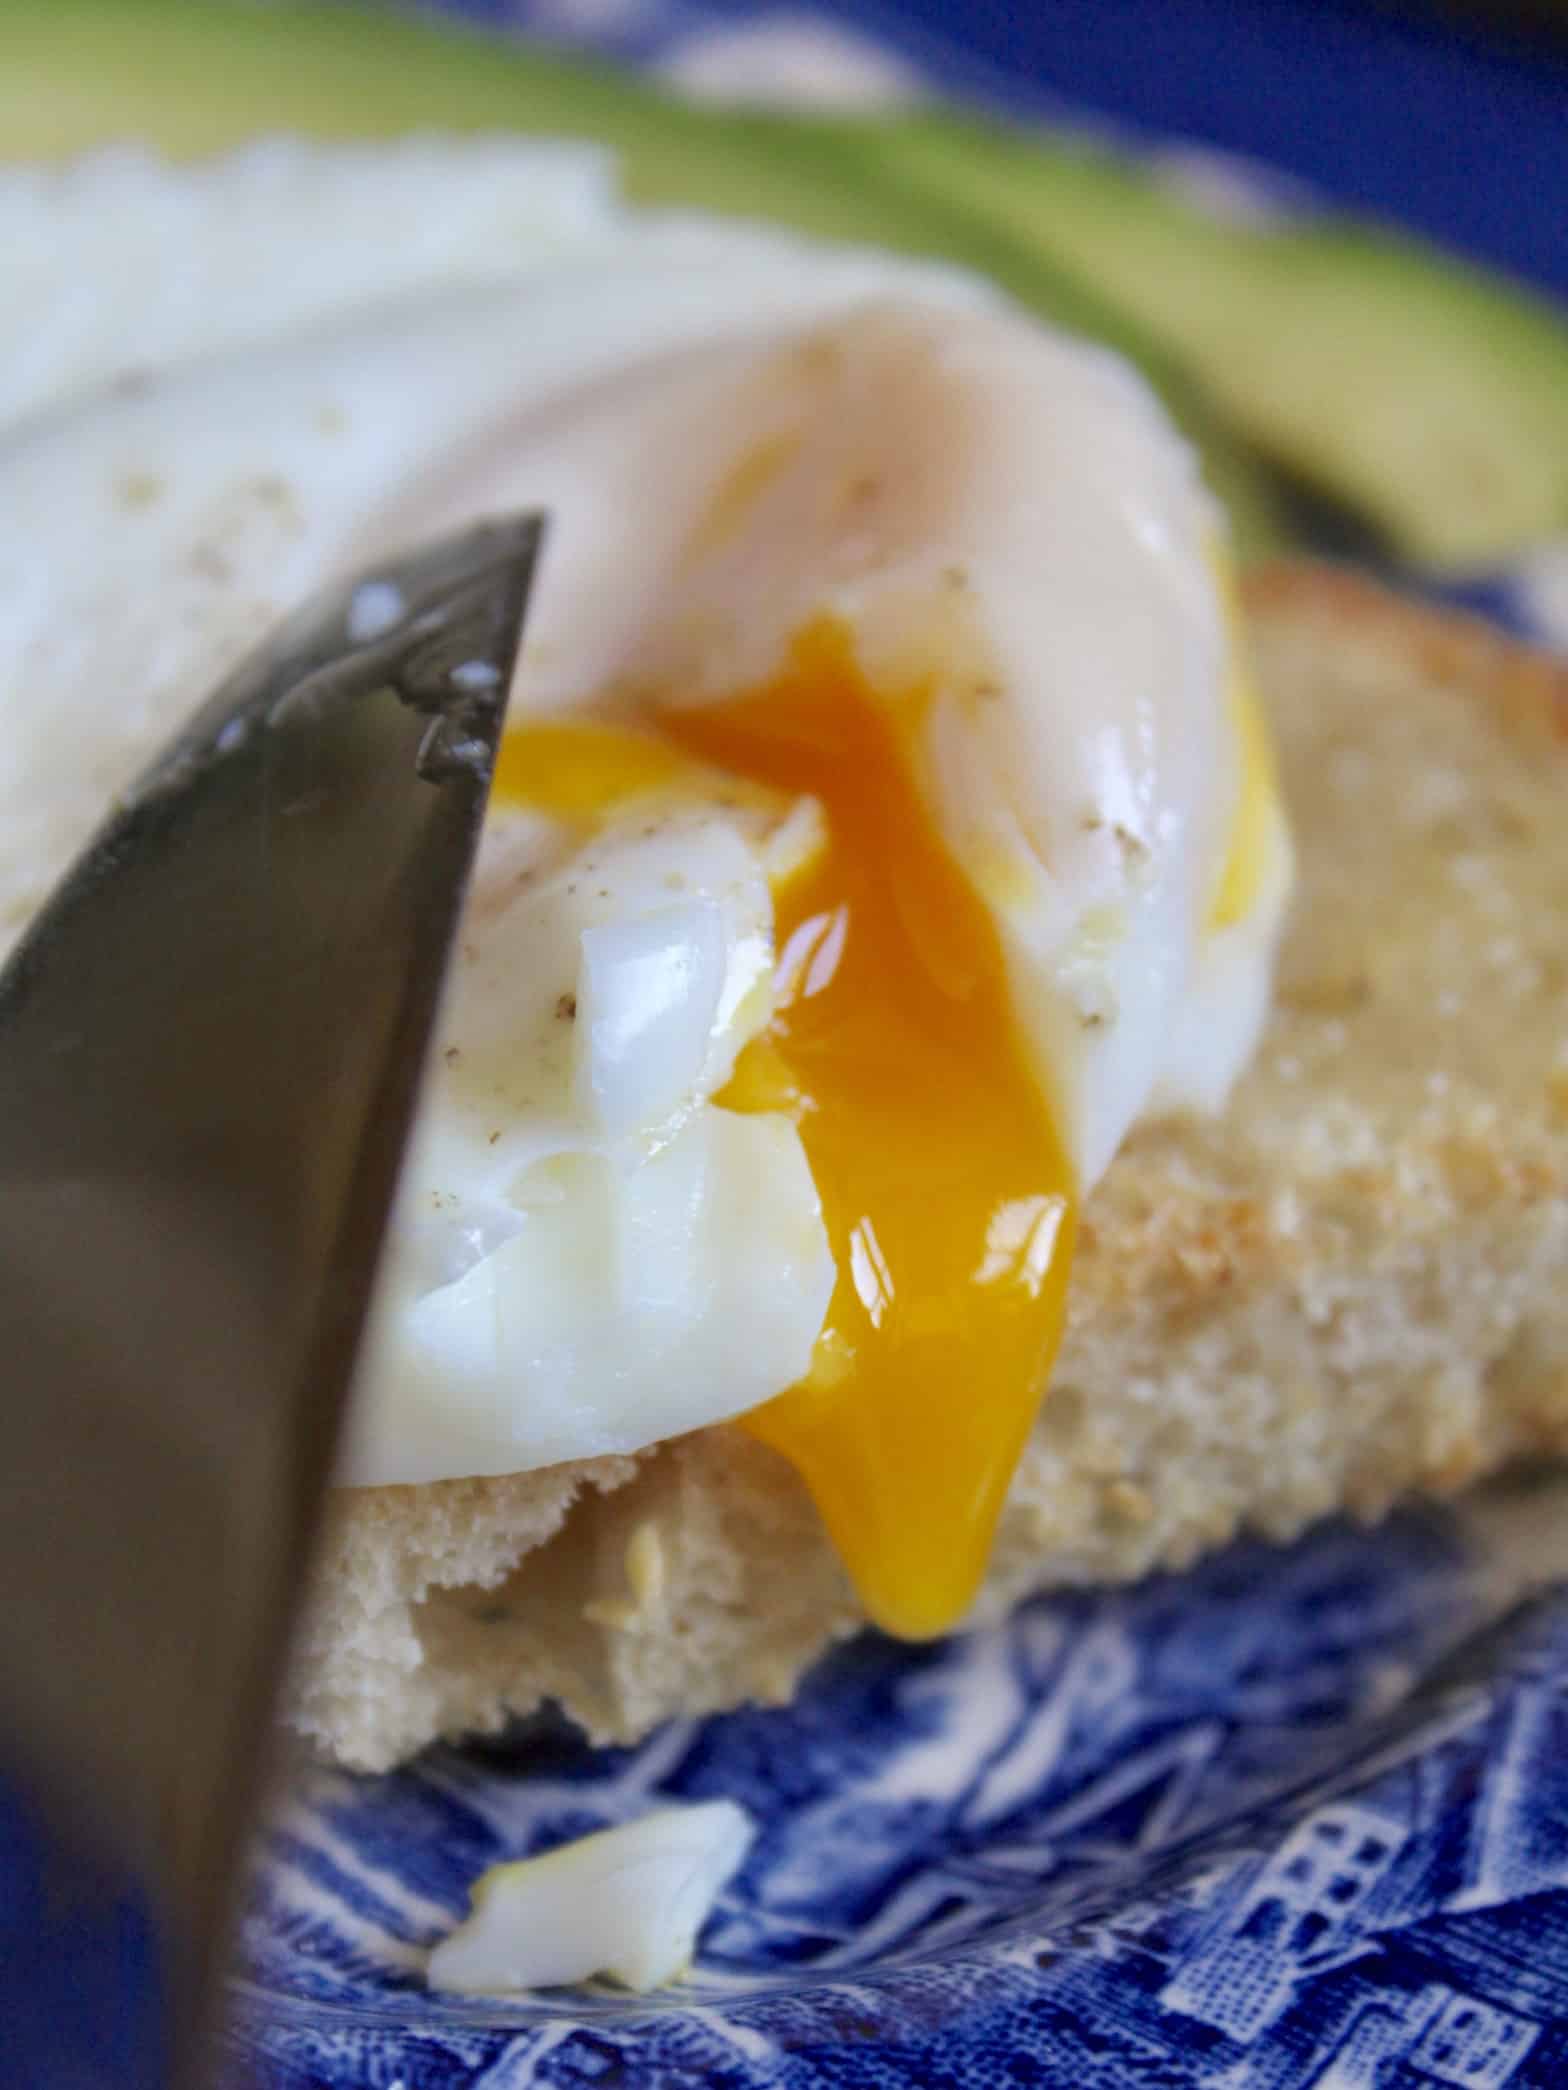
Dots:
{"x": 1429, "y": 398}
{"x": 1428, "y": 395}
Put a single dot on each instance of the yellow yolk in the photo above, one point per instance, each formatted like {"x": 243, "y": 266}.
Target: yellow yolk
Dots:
{"x": 1256, "y": 808}
{"x": 947, "y": 1194}
{"x": 578, "y": 768}
{"x": 948, "y": 1197}
{"x": 1257, "y": 805}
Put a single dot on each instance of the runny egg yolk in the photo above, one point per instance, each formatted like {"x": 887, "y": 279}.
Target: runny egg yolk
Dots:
{"x": 947, "y": 1194}
{"x": 1257, "y": 807}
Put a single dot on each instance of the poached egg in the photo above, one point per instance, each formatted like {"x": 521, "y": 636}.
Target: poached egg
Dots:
{"x": 884, "y": 827}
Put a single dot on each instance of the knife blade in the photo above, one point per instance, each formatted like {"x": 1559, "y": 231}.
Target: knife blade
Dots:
{"x": 210, "y": 1045}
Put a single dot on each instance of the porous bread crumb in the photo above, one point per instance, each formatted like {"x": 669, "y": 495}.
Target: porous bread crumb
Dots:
{"x": 1346, "y": 1289}
{"x": 385, "y": 1554}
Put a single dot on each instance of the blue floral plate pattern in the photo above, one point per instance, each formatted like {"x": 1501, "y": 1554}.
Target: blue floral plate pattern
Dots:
{"x": 1297, "y": 1818}
{"x": 1293, "y": 1818}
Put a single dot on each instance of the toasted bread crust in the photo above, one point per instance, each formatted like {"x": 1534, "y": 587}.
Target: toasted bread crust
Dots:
{"x": 1520, "y": 686}
{"x": 1343, "y": 1290}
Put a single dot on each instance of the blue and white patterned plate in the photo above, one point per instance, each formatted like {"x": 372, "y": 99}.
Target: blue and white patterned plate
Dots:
{"x": 1290, "y": 1819}
{"x": 1299, "y": 1817}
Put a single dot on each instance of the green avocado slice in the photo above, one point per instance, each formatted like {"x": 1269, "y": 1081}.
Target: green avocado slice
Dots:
{"x": 1425, "y": 393}
{"x": 197, "y": 76}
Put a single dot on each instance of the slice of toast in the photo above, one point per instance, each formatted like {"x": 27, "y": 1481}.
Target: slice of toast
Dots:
{"x": 1346, "y": 1288}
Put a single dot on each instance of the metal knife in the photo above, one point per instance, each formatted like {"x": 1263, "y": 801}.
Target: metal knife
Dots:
{"x": 210, "y": 1045}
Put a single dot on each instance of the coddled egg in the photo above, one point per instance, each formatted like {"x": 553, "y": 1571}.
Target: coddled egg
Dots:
{"x": 884, "y": 828}
{"x": 946, "y": 588}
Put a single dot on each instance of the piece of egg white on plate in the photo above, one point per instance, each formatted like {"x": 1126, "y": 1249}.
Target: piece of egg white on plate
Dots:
{"x": 629, "y": 1902}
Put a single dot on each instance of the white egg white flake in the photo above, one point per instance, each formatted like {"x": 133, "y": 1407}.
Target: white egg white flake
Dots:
{"x": 589, "y": 1255}
{"x": 647, "y": 1004}
{"x": 629, "y": 1902}
{"x": 264, "y": 243}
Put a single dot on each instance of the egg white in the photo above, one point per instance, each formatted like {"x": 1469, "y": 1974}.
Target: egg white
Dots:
{"x": 587, "y": 1255}
{"x": 628, "y": 1901}
{"x": 734, "y": 432}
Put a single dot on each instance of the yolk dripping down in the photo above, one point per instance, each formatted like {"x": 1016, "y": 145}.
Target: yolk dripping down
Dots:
{"x": 948, "y": 1197}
